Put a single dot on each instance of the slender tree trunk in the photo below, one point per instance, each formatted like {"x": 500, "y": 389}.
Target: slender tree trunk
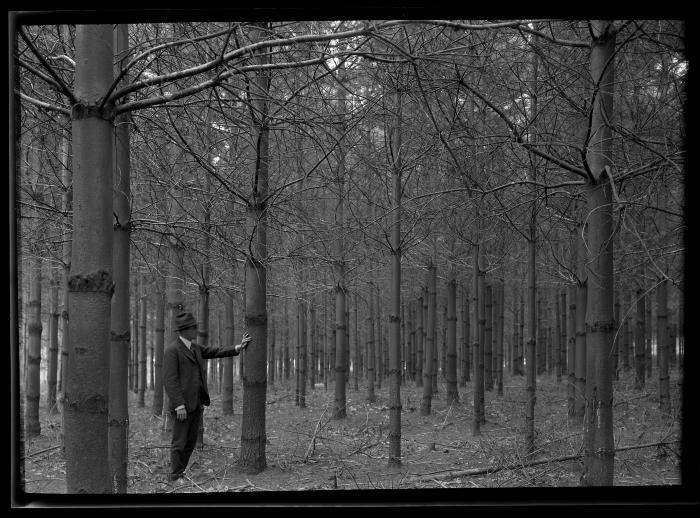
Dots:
{"x": 419, "y": 342}
{"x": 617, "y": 335}
{"x": 500, "y": 295}
{"x": 648, "y": 334}
{"x": 478, "y": 313}
{"x": 229, "y": 338}
{"x": 531, "y": 358}
{"x": 639, "y": 341}
{"x": 271, "y": 359}
{"x": 557, "y": 335}
{"x": 120, "y": 322}
{"x": 626, "y": 332}
{"x": 52, "y": 373}
{"x": 90, "y": 283}
{"x": 488, "y": 339}
{"x": 452, "y": 395}
{"x": 33, "y": 379}
{"x": 581, "y": 345}
{"x": 426, "y": 400}
{"x": 516, "y": 364}
{"x": 66, "y": 252}
{"x": 120, "y": 338}
{"x": 571, "y": 353}
{"x": 141, "y": 402}
{"x": 662, "y": 347}
{"x": 159, "y": 346}
{"x": 466, "y": 339}
{"x": 301, "y": 355}
{"x": 371, "y": 397}
{"x": 395, "y": 315}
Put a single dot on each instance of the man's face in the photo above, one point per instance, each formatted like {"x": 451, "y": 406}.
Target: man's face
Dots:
{"x": 190, "y": 333}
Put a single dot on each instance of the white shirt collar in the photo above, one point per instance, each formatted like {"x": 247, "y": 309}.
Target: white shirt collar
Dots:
{"x": 185, "y": 341}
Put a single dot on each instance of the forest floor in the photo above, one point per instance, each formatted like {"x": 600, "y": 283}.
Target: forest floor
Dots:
{"x": 308, "y": 450}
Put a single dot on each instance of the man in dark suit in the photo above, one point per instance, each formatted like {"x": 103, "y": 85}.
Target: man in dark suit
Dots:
{"x": 184, "y": 382}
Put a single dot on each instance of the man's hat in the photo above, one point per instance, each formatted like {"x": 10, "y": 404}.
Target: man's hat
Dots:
{"x": 184, "y": 320}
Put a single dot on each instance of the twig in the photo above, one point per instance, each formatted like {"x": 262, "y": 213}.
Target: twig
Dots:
{"x": 493, "y": 469}
{"x": 312, "y": 444}
{"x": 42, "y": 451}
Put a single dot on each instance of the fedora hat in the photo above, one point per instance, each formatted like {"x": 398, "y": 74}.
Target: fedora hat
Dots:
{"x": 184, "y": 320}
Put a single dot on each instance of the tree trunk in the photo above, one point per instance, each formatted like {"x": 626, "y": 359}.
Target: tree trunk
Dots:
{"x": 301, "y": 354}
{"x": 429, "y": 352}
{"x": 571, "y": 353}
{"x": 33, "y": 379}
{"x": 371, "y": 396}
{"x": 478, "y": 318}
{"x": 639, "y": 342}
{"x": 52, "y": 373}
{"x": 452, "y": 395}
{"x": 662, "y": 347}
{"x": 252, "y": 458}
{"x": 159, "y": 346}
{"x": 229, "y": 338}
{"x": 141, "y": 402}
{"x": 466, "y": 340}
{"x": 581, "y": 346}
{"x": 488, "y": 339}
{"x": 499, "y": 337}
{"x": 531, "y": 355}
{"x": 120, "y": 314}
{"x": 90, "y": 284}
{"x": 419, "y": 343}
{"x": 600, "y": 453}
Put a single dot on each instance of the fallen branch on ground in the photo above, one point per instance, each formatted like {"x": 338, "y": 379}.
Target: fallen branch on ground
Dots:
{"x": 42, "y": 451}
{"x": 519, "y": 465}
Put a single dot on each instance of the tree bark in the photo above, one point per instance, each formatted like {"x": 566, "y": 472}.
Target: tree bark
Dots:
{"x": 159, "y": 346}
{"x": 252, "y": 458}
{"x": 90, "y": 284}
{"x": 52, "y": 373}
{"x": 662, "y": 347}
{"x": 426, "y": 400}
{"x": 229, "y": 338}
{"x": 452, "y": 395}
{"x": 600, "y": 450}
{"x": 33, "y": 379}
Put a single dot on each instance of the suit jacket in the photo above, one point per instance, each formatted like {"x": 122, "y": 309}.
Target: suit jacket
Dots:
{"x": 183, "y": 373}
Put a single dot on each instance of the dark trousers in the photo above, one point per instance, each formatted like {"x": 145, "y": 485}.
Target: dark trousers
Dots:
{"x": 184, "y": 440}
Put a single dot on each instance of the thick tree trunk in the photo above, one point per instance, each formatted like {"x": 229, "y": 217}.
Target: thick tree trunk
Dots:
{"x": 90, "y": 284}
{"x": 253, "y": 438}
{"x": 600, "y": 449}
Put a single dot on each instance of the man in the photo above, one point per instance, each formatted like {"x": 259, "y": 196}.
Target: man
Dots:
{"x": 184, "y": 382}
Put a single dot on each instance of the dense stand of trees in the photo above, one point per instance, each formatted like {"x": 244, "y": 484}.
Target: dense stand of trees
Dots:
{"x": 438, "y": 203}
